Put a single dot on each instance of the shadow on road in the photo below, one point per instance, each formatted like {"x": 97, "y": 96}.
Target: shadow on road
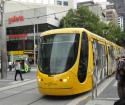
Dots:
{"x": 70, "y": 97}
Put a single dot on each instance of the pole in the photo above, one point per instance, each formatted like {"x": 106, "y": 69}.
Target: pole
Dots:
{"x": 3, "y": 43}
{"x": 37, "y": 42}
{"x": 34, "y": 40}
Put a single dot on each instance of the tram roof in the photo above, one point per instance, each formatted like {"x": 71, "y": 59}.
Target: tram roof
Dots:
{"x": 62, "y": 30}
{"x": 69, "y": 30}
{"x": 77, "y": 30}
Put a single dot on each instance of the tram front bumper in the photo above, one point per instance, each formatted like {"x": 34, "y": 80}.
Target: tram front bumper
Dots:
{"x": 56, "y": 91}
{"x": 57, "y": 87}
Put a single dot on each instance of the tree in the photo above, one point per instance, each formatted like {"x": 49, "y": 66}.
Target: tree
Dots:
{"x": 115, "y": 34}
{"x": 83, "y": 17}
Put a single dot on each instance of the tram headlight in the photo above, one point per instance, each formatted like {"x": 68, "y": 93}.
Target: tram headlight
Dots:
{"x": 64, "y": 80}
{"x": 39, "y": 79}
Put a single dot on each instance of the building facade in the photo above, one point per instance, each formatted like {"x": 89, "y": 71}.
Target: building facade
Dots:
{"x": 95, "y": 8}
{"x": 111, "y": 16}
{"x": 120, "y": 22}
{"x": 24, "y": 27}
{"x": 120, "y": 8}
{"x": 17, "y": 5}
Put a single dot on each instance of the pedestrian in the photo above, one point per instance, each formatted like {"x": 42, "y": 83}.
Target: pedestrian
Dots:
{"x": 120, "y": 77}
{"x": 13, "y": 65}
{"x": 18, "y": 70}
{"x": 10, "y": 66}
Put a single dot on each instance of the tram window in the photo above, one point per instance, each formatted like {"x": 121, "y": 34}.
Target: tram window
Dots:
{"x": 99, "y": 49}
{"x": 101, "y": 62}
{"x": 111, "y": 58}
{"x": 111, "y": 52}
{"x": 58, "y": 53}
{"x": 83, "y": 61}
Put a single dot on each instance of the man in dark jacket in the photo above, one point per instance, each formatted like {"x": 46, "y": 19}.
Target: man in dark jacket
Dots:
{"x": 120, "y": 77}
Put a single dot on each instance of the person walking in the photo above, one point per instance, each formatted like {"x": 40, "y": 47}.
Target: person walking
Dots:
{"x": 18, "y": 70}
{"x": 10, "y": 66}
{"x": 120, "y": 77}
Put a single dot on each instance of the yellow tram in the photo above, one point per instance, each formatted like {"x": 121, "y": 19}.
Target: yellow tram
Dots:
{"x": 72, "y": 60}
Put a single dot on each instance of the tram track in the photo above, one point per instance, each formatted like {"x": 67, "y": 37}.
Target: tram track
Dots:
{"x": 25, "y": 92}
{"x": 17, "y": 93}
{"x": 34, "y": 101}
{"x": 15, "y": 87}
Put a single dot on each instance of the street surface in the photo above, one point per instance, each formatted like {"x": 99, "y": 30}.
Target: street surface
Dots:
{"x": 26, "y": 93}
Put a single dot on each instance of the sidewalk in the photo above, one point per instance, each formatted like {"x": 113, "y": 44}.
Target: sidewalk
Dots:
{"x": 10, "y": 77}
{"x": 102, "y": 101}
{"x": 106, "y": 93}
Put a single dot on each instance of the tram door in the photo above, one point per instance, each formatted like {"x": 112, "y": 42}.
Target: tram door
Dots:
{"x": 95, "y": 54}
{"x": 99, "y": 60}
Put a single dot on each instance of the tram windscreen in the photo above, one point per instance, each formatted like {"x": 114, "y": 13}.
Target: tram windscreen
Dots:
{"x": 57, "y": 53}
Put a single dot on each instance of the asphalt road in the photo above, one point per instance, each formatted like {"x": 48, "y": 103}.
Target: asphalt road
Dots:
{"x": 26, "y": 93}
